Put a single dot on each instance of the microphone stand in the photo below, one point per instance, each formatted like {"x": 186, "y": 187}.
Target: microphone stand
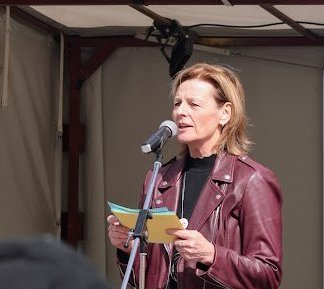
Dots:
{"x": 139, "y": 234}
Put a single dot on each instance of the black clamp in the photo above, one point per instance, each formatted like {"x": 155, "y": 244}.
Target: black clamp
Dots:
{"x": 139, "y": 2}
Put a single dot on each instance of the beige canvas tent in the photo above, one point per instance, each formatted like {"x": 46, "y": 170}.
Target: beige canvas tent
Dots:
{"x": 83, "y": 84}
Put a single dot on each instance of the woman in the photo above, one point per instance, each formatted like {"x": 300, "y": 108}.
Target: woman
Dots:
{"x": 233, "y": 203}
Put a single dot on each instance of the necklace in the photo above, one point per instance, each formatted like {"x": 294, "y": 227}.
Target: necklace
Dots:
{"x": 182, "y": 193}
{"x": 183, "y": 220}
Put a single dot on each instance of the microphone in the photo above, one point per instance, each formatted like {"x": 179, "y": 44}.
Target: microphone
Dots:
{"x": 167, "y": 129}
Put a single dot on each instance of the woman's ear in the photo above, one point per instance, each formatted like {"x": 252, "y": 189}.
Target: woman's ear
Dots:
{"x": 226, "y": 112}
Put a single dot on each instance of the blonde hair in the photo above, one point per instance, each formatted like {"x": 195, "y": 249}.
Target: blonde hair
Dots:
{"x": 229, "y": 89}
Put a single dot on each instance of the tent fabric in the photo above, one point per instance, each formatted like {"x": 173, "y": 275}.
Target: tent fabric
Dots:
{"x": 92, "y": 185}
{"x": 30, "y": 152}
{"x": 91, "y": 16}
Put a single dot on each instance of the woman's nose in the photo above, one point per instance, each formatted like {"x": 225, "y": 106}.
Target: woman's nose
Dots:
{"x": 182, "y": 109}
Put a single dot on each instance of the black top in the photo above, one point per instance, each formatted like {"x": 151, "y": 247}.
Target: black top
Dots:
{"x": 196, "y": 172}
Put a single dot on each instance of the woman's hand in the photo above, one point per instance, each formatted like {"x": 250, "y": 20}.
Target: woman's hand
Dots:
{"x": 193, "y": 246}
{"x": 118, "y": 234}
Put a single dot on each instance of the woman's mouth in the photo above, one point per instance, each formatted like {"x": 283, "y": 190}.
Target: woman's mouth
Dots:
{"x": 183, "y": 126}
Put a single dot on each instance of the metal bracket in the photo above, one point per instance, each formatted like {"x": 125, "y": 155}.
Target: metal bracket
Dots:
{"x": 139, "y": 2}
{"x": 227, "y": 2}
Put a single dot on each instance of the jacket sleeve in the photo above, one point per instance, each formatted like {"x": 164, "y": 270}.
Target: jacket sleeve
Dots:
{"x": 258, "y": 265}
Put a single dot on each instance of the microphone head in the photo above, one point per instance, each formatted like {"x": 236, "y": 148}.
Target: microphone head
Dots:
{"x": 171, "y": 126}
{"x": 166, "y": 130}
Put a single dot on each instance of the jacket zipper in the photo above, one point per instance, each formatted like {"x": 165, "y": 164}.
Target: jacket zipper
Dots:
{"x": 169, "y": 267}
{"x": 217, "y": 218}
{"x": 215, "y": 222}
{"x": 221, "y": 282}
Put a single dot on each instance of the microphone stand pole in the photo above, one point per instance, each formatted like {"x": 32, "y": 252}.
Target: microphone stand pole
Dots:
{"x": 139, "y": 234}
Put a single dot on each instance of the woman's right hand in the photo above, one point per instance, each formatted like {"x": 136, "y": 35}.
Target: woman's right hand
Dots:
{"x": 118, "y": 234}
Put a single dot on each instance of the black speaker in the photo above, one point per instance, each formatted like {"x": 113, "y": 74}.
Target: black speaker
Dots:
{"x": 181, "y": 52}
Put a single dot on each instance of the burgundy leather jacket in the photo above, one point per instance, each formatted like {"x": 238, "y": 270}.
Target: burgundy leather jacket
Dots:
{"x": 239, "y": 211}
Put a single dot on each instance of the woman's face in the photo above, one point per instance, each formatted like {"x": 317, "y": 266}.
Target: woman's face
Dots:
{"x": 198, "y": 116}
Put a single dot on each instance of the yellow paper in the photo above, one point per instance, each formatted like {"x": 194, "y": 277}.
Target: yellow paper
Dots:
{"x": 156, "y": 226}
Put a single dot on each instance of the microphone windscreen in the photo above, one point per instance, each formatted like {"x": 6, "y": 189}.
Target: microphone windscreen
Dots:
{"x": 171, "y": 125}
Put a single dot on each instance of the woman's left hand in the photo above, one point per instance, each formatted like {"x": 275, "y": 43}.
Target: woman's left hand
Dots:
{"x": 193, "y": 246}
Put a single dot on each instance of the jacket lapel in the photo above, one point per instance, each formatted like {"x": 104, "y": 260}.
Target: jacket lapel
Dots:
{"x": 168, "y": 187}
{"x": 211, "y": 195}
{"x": 167, "y": 193}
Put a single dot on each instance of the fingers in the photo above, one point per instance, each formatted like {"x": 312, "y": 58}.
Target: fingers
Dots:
{"x": 117, "y": 233}
{"x": 118, "y": 242}
{"x": 115, "y": 226}
{"x": 118, "y": 236}
{"x": 182, "y": 234}
{"x": 112, "y": 219}
{"x": 184, "y": 238}
{"x": 192, "y": 245}
{"x": 117, "y": 230}
{"x": 179, "y": 244}
{"x": 188, "y": 239}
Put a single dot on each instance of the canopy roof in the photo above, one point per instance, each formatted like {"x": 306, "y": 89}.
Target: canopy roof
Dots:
{"x": 123, "y": 15}
{"x": 287, "y": 22}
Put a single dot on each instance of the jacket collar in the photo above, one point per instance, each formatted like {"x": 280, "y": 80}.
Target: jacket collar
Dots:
{"x": 224, "y": 167}
{"x": 173, "y": 174}
{"x": 222, "y": 171}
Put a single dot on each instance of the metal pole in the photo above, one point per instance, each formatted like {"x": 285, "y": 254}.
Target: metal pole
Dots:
{"x": 157, "y": 165}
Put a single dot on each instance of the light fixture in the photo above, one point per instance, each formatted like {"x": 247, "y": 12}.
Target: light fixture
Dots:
{"x": 181, "y": 41}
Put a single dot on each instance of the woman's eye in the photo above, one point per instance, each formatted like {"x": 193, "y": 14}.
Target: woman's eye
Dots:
{"x": 177, "y": 103}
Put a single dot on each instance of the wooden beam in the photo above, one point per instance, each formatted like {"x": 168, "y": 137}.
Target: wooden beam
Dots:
{"x": 156, "y": 17}
{"x": 74, "y": 64}
{"x": 33, "y": 22}
{"x": 106, "y": 47}
{"x": 258, "y": 41}
{"x": 296, "y": 26}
